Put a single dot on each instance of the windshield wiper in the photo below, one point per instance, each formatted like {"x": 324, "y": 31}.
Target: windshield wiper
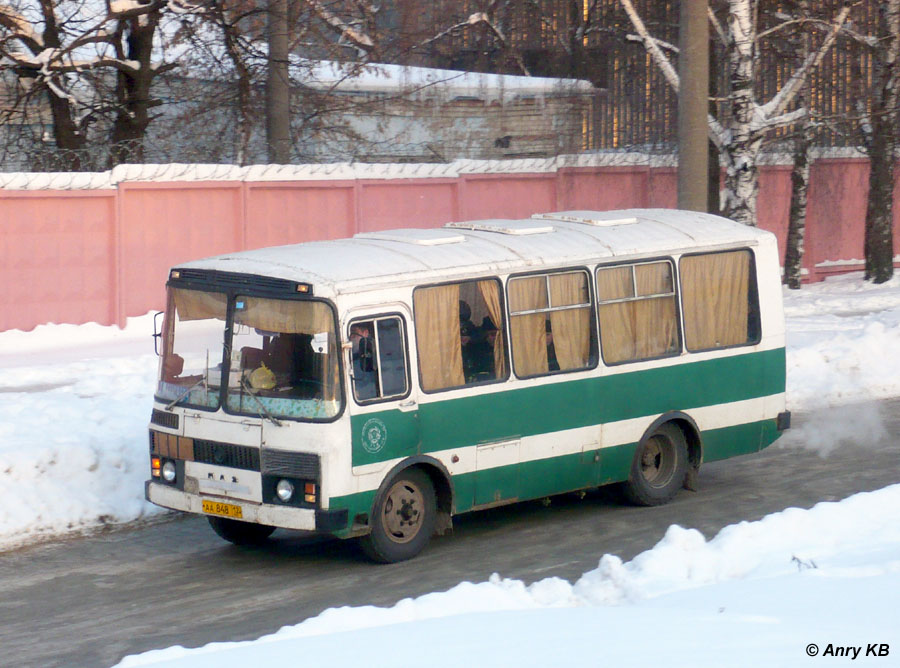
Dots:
{"x": 181, "y": 396}
{"x": 265, "y": 411}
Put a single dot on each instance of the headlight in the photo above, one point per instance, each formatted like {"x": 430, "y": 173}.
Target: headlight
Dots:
{"x": 285, "y": 490}
{"x": 168, "y": 471}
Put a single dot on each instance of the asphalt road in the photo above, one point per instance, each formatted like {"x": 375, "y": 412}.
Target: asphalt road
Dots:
{"x": 90, "y": 601}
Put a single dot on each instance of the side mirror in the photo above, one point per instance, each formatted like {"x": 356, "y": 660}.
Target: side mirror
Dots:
{"x": 157, "y": 333}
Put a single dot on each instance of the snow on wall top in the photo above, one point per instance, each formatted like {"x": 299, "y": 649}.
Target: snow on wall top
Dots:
{"x": 372, "y": 261}
{"x": 175, "y": 172}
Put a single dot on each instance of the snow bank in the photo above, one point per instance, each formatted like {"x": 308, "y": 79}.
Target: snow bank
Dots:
{"x": 845, "y": 555}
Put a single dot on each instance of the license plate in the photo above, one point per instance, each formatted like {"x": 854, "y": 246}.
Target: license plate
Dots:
{"x": 223, "y": 509}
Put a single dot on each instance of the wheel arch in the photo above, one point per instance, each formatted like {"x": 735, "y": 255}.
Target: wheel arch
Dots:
{"x": 692, "y": 437}
{"x": 440, "y": 480}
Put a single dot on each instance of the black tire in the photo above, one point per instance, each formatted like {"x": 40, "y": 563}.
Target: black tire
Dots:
{"x": 659, "y": 467}
{"x": 240, "y": 533}
{"x": 403, "y": 518}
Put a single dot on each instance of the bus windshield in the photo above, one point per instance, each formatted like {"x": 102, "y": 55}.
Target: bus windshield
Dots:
{"x": 283, "y": 359}
{"x": 194, "y": 332}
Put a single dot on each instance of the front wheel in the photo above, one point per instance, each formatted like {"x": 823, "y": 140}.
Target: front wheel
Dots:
{"x": 240, "y": 533}
{"x": 659, "y": 467}
{"x": 403, "y": 518}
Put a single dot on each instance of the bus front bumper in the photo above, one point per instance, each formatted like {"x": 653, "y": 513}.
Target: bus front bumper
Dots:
{"x": 301, "y": 519}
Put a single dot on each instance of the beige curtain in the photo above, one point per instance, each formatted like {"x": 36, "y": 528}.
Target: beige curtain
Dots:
{"x": 437, "y": 335}
{"x": 196, "y": 305}
{"x": 642, "y": 328}
{"x": 656, "y": 319}
{"x": 715, "y": 290}
{"x": 617, "y": 321}
{"x": 572, "y": 327}
{"x": 528, "y": 332}
{"x": 286, "y": 317}
{"x": 490, "y": 293}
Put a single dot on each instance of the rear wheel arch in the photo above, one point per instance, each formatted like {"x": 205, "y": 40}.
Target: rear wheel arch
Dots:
{"x": 691, "y": 435}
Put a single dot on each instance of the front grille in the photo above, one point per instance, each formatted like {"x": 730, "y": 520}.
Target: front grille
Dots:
{"x": 164, "y": 419}
{"x": 290, "y": 464}
{"x": 225, "y": 454}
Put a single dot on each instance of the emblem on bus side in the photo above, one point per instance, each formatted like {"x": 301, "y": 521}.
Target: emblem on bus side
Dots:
{"x": 374, "y": 435}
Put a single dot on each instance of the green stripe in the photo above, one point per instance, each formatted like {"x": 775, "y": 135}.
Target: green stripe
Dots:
{"x": 507, "y": 414}
{"x": 545, "y": 477}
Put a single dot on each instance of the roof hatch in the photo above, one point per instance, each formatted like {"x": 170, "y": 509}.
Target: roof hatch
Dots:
{"x": 511, "y": 227}
{"x": 596, "y": 218}
{"x": 417, "y": 237}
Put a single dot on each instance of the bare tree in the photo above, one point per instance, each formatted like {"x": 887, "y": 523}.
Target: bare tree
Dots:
{"x": 70, "y": 50}
{"x": 879, "y": 115}
{"x": 739, "y": 136}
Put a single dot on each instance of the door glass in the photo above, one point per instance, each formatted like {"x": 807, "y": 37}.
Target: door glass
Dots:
{"x": 378, "y": 359}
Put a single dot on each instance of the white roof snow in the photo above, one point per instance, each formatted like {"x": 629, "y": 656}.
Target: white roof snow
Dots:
{"x": 395, "y": 257}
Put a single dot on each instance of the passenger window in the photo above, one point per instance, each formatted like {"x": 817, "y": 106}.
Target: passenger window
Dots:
{"x": 378, "y": 359}
{"x": 718, "y": 294}
{"x": 459, "y": 334}
{"x": 550, "y": 323}
{"x": 637, "y": 311}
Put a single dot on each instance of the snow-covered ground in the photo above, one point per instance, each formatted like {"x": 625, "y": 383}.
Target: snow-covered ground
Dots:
{"x": 74, "y": 407}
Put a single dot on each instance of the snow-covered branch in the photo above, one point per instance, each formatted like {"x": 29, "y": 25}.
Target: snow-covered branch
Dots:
{"x": 716, "y": 132}
{"x": 650, "y": 44}
{"x": 20, "y": 27}
{"x": 346, "y": 30}
{"x": 776, "y": 106}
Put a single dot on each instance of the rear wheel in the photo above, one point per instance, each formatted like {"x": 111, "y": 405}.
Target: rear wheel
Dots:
{"x": 240, "y": 533}
{"x": 659, "y": 467}
{"x": 403, "y": 518}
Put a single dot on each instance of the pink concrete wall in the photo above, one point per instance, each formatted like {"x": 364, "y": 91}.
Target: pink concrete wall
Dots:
{"x": 58, "y": 259}
{"x": 103, "y": 255}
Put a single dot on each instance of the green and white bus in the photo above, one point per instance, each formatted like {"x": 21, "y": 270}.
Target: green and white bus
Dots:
{"x": 374, "y": 387}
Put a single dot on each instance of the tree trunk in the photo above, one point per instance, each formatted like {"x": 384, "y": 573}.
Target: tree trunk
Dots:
{"x": 793, "y": 252}
{"x": 133, "y": 94}
{"x": 879, "y": 237}
{"x": 742, "y": 152}
{"x": 278, "y": 101}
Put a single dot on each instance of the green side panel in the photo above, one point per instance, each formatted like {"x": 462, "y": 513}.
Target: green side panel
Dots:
{"x": 355, "y": 504}
{"x": 496, "y": 484}
{"x": 770, "y": 433}
{"x": 377, "y": 437}
{"x": 546, "y": 477}
{"x": 615, "y": 463}
{"x": 501, "y": 415}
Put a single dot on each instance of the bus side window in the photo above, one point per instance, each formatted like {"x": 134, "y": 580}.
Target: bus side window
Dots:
{"x": 459, "y": 334}
{"x": 551, "y": 323}
{"x": 638, "y": 312}
{"x": 378, "y": 356}
{"x": 720, "y": 301}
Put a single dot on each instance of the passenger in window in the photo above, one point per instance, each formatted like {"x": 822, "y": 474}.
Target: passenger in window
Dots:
{"x": 363, "y": 355}
{"x": 481, "y": 353}
{"x": 552, "y": 363}
{"x": 465, "y": 316}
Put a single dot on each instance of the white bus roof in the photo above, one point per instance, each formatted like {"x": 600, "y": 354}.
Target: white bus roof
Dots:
{"x": 381, "y": 259}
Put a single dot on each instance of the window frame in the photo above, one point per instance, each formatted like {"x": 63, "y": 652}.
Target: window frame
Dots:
{"x": 501, "y": 293}
{"x": 374, "y": 318}
{"x": 591, "y": 305}
{"x": 753, "y": 300}
{"x": 676, "y": 284}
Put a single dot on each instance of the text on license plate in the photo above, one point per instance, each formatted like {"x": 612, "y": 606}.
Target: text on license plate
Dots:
{"x": 223, "y": 509}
